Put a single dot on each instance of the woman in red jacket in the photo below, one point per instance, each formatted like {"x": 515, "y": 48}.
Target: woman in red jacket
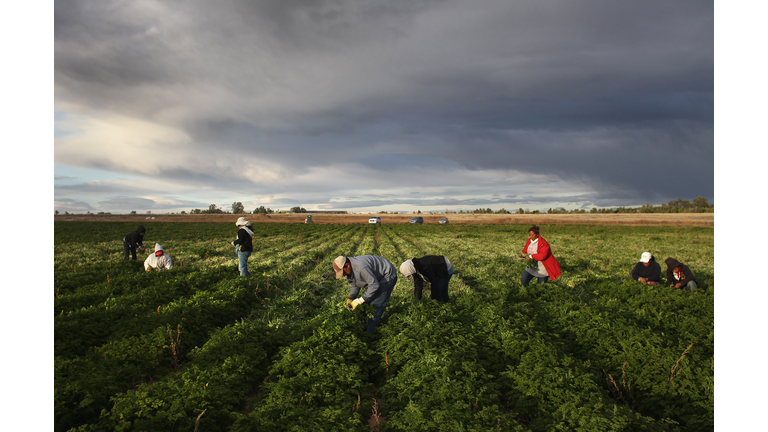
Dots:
{"x": 546, "y": 266}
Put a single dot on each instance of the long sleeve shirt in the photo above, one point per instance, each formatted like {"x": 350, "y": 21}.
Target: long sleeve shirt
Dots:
{"x": 652, "y": 273}
{"x": 369, "y": 272}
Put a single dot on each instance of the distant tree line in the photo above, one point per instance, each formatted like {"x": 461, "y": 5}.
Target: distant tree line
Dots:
{"x": 239, "y": 208}
{"x": 697, "y": 205}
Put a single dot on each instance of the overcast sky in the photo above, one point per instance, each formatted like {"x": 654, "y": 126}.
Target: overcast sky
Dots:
{"x": 366, "y": 106}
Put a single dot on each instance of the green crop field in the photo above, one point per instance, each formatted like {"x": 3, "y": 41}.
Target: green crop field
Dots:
{"x": 201, "y": 348}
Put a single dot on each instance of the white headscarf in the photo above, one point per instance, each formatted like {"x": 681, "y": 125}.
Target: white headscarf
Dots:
{"x": 407, "y": 268}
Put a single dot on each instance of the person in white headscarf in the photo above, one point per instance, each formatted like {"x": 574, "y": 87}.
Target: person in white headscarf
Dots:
{"x": 243, "y": 245}
{"x": 158, "y": 260}
{"x": 435, "y": 269}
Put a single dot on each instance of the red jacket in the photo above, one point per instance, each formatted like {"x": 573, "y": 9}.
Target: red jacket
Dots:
{"x": 544, "y": 254}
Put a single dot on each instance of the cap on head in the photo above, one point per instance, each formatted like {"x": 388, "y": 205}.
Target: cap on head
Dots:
{"x": 338, "y": 266}
{"x": 645, "y": 257}
{"x": 241, "y": 221}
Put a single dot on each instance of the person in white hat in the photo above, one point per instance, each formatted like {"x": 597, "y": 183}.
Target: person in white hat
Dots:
{"x": 158, "y": 260}
{"x": 376, "y": 274}
{"x": 435, "y": 269}
{"x": 647, "y": 270}
{"x": 243, "y": 245}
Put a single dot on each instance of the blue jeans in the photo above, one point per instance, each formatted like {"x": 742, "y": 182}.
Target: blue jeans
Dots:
{"x": 527, "y": 277}
{"x": 378, "y": 311}
{"x": 242, "y": 257}
{"x": 380, "y": 303}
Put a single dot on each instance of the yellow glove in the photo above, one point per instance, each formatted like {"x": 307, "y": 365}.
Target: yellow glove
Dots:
{"x": 357, "y": 302}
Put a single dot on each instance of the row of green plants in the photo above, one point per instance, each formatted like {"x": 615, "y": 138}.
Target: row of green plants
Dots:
{"x": 200, "y": 347}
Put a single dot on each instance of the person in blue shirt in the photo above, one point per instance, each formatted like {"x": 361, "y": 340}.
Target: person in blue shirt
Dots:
{"x": 374, "y": 274}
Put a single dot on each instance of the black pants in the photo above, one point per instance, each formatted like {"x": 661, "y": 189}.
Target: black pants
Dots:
{"x": 128, "y": 248}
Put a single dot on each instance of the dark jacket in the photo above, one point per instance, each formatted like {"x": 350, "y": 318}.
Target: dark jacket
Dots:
{"x": 243, "y": 241}
{"x": 652, "y": 273}
{"x": 685, "y": 273}
{"x": 432, "y": 268}
{"x": 134, "y": 239}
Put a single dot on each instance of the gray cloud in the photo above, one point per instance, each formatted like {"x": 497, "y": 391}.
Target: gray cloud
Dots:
{"x": 615, "y": 98}
{"x": 71, "y": 205}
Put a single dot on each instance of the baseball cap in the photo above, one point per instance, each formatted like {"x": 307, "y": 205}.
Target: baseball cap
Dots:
{"x": 338, "y": 266}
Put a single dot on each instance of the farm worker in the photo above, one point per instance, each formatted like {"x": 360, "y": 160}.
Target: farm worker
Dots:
{"x": 538, "y": 250}
{"x": 435, "y": 269}
{"x": 158, "y": 260}
{"x": 647, "y": 270}
{"x": 243, "y": 245}
{"x": 376, "y": 274}
{"x": 133, "y": 241}
{"x": 679, "y": 275}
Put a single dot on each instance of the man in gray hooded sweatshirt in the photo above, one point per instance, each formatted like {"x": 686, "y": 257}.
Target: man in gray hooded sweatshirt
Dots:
{"x": 376, "y": 274}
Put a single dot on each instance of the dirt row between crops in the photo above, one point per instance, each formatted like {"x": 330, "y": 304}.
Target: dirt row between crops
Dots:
{"x": 675, "y": 219}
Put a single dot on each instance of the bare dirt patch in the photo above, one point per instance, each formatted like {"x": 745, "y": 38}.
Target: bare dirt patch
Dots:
{"x": 680, "y": 219}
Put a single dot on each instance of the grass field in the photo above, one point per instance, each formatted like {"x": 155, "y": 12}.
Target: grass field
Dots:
{"x": 200, "y": 347}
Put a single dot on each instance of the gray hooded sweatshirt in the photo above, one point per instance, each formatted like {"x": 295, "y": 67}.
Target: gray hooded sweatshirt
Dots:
{"x": 370, "y": 272}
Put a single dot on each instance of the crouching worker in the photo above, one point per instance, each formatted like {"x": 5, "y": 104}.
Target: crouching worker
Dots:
{"x": 376, "y": 274}
{"x": 435, "y": 269}
{"x": 647, "y": 270}
{"x": 545, "y": 264}
{"x": 679, "y": 275}
{"x": 158, "y": 260}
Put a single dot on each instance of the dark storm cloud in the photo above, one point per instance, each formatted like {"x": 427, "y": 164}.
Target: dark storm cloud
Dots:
{"x": 615, "y": 96}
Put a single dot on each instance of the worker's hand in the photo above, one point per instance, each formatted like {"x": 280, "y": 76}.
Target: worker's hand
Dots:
{"x": 521, "y": 255}
{"x": 642, "y": 279}
{"x": 232, "y": 243}
{"x": 678, "y": 285}
{"x": 355, "y": 303}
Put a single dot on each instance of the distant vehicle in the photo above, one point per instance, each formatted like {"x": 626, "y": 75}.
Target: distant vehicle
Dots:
{"x": 443, "y": 220}
{"x": 417, "y": 219}
{"x": 374, "y": 219}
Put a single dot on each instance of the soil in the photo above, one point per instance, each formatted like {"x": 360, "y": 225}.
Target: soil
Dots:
{"x": 678, "y": 219}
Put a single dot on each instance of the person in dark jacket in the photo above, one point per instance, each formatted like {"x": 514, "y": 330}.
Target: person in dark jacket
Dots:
{"x": 647, "y": 270}
{"x": 374, "y": 273}
{"x": 435, "y": 269}
{"x": 133, "y": 241}
{"x": 679, "y": 275}
{"x": 243, "y": 245}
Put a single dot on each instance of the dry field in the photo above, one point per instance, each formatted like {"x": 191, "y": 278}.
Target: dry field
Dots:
{"x": 672, "y": 219}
